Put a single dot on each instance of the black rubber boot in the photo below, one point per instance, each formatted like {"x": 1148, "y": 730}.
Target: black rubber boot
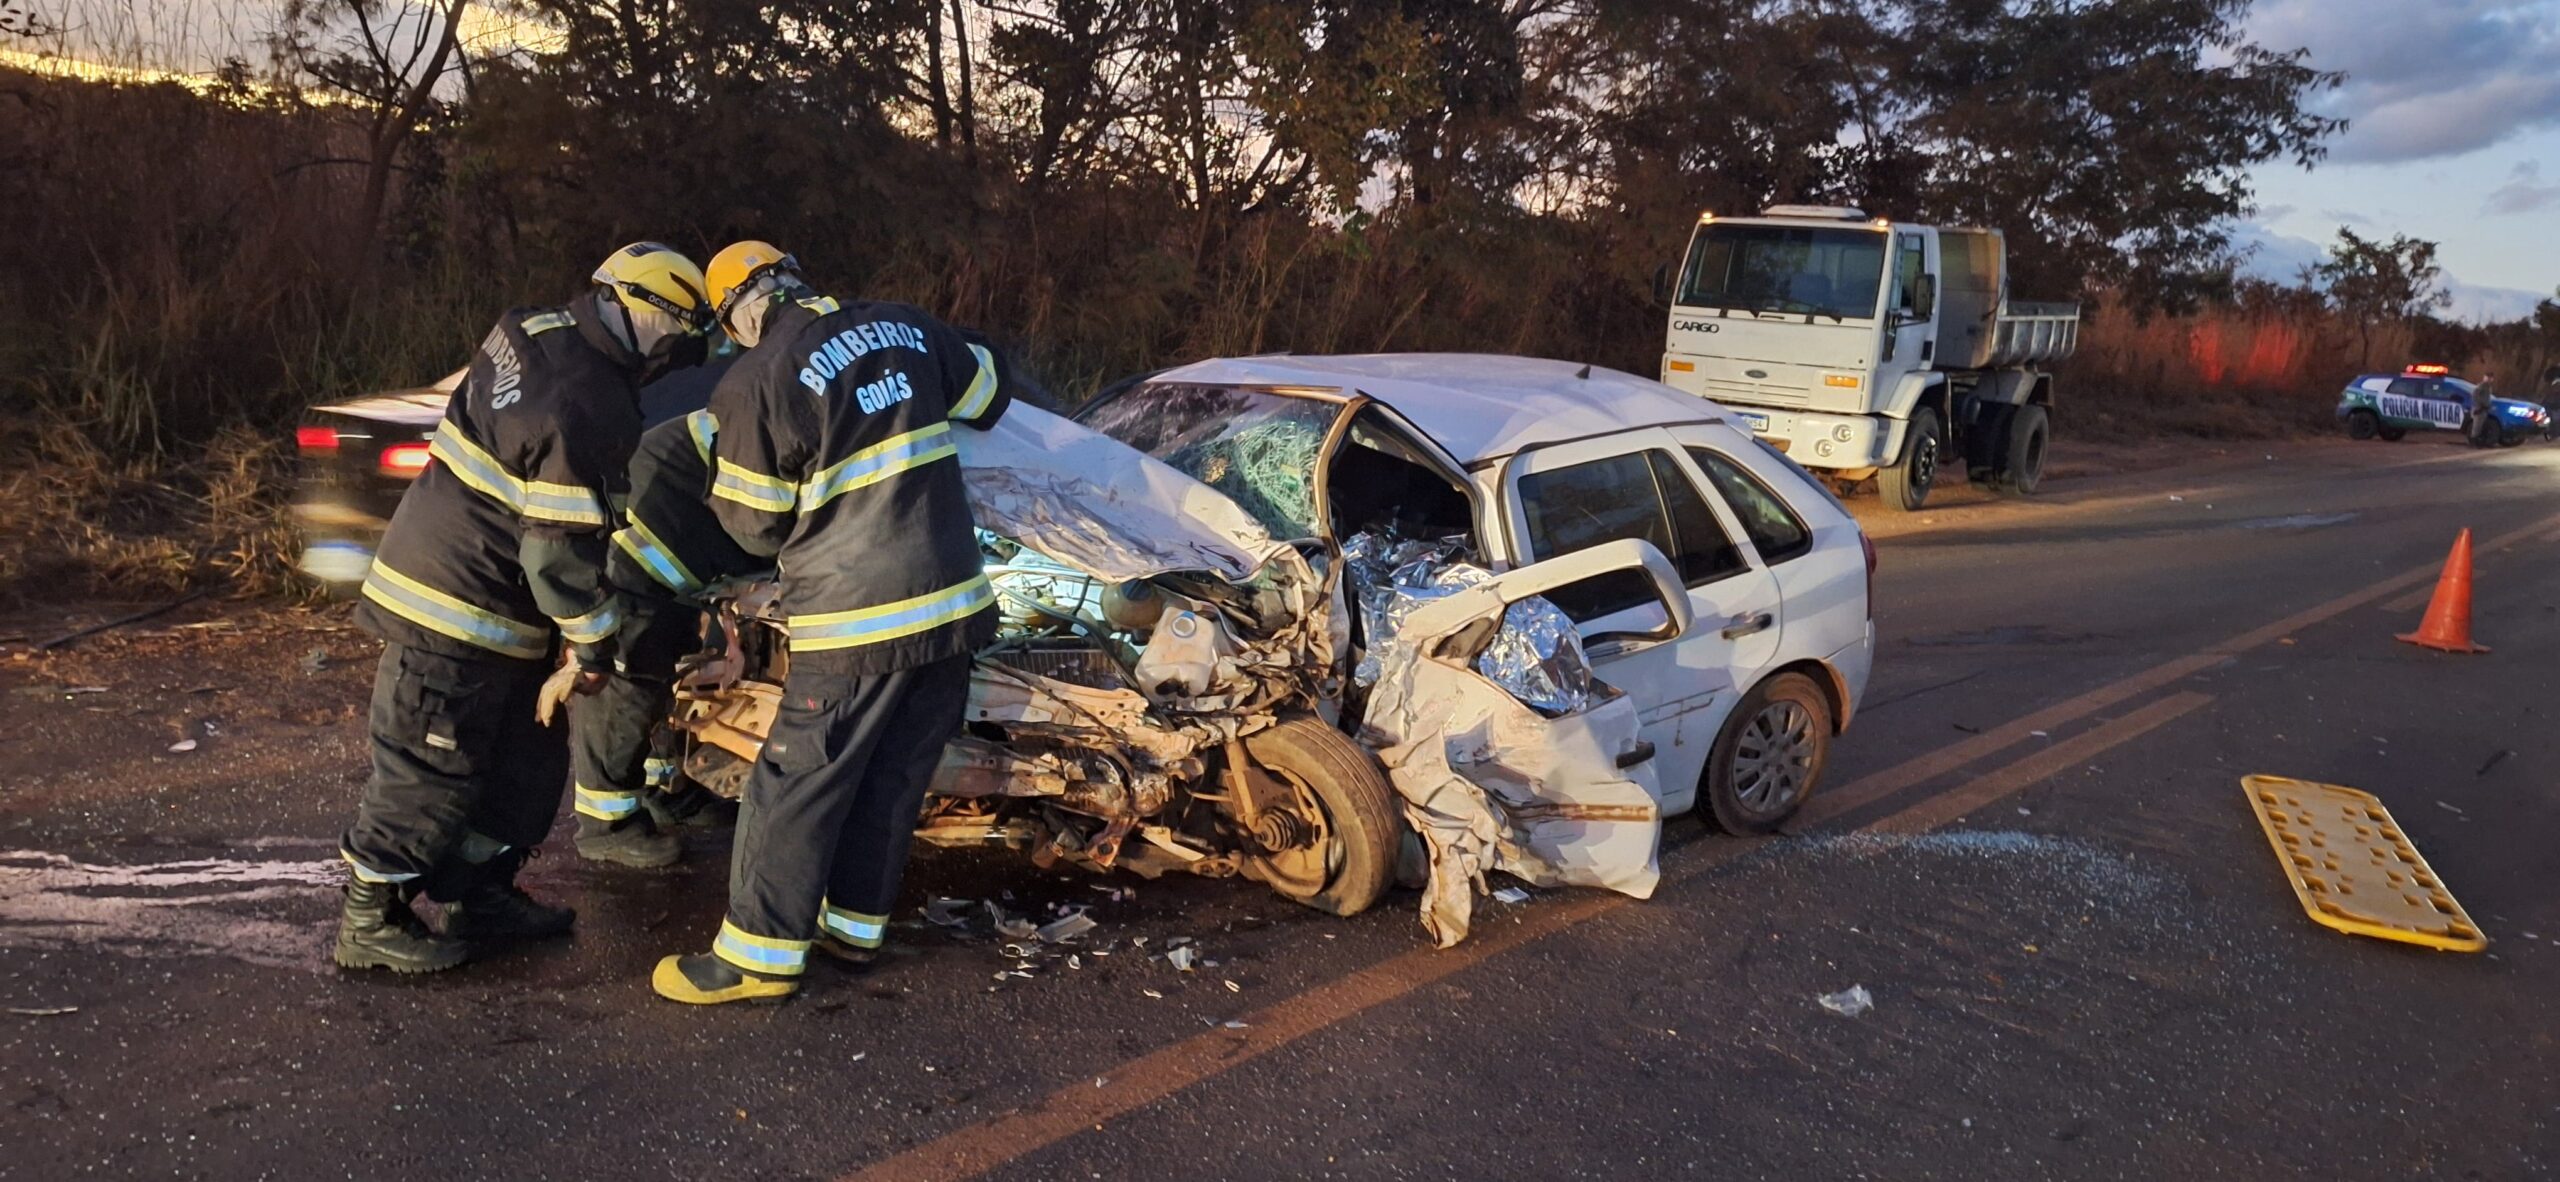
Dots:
{"x": 632, "y": 842}
{"x": 376, "y": 930}
{"x": 854, "y": 957}
{"x": 493, "y": 907}
{"x": 691, "y": 806}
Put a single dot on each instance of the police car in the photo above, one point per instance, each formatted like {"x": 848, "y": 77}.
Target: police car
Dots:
{"x": 2424, "y": 398}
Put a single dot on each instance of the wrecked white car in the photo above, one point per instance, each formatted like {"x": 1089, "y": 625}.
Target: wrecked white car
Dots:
{"x": 1308, "y": 619}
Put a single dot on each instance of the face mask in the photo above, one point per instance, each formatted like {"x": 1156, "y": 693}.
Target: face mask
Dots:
{"x": 746, "y": 322}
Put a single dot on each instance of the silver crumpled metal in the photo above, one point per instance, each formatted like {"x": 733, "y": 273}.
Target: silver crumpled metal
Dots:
{"x": 1536, "y": 656}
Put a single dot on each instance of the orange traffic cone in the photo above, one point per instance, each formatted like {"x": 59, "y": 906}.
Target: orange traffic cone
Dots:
{"x": 2447, "y": 627}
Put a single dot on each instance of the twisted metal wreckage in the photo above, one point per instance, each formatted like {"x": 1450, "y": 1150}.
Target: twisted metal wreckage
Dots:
{"x": 1168, "y": 671}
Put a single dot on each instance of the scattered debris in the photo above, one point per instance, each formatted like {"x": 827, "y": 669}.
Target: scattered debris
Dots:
{"x": 2041, "y": 734}
{"x": 315, "y": 660}
{"x": 2026, "y": 812}
{"x": 58, "y": 691}
{"x": 1074, "y": 961}
{"x": 1233, "y": 1024}
{"x": 1232, "y": 987}
{"x": 1008, "y": 926}
{"x": 2450, "y": 808}
{"x": 1152, "y": 993}
{"x": 1075, "y": 923}
{"x": 2494, "y": 760}
{"x": 1849, "y": 1002}
{"x": 1181, "y": 958}
{"x": 43, "y": 1011}
{"x": 859, "y": 1056}
{"x": 183, "y": 745}
{"x": 947, "y": 913}
{"x": 2176, "y": 498}
{"x": 1511, "y": 894}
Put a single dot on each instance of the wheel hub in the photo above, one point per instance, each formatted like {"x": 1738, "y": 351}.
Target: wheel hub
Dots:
{"x": 1773, "y": 763}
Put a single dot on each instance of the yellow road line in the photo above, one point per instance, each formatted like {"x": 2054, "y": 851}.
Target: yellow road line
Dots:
{"x": 1990, "y": 788}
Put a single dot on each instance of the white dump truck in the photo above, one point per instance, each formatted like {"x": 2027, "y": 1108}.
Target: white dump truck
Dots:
{"x": 1866, "y": 347}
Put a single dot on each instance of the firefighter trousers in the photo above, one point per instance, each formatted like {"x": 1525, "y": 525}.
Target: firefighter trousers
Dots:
{"x": 461, "y": 771}
{"x": 612, "y": 731}
{"x": 831, "y": 809}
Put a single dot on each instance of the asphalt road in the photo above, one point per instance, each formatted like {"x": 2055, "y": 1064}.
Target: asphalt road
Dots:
{"x": 2031, "y": 851}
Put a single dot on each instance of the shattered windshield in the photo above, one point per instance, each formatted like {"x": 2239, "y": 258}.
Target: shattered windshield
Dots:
{"x": 1815, "y": 271}
{"x": 1257, "y": 446}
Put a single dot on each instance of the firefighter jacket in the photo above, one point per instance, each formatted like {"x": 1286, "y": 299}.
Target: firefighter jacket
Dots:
{"x": 834, "y": 454}
{"x": 671, "y": 544}
{"x": 502, "y": 539}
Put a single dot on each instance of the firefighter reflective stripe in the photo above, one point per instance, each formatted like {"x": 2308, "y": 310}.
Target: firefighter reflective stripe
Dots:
{"x": 366, "y": 873}
{"x": 982, "y": 389}
{"x": 539, "y": 500}
{"x": 760, "y": 954}
{"x": 853, "y": 927}
{"x": 566, "y": 503}
{"x": 889, "y": 621}
{"x": 535, "y": 326}
{"x": 753, "y": 489}
{"x": 822, "y": 305}
{"x": 437, "y": 611}
{"x": 605, "y": 806}
{"x": 592, "y": 627}
{"x": 878, "y": 462}
{"x": 704, "y": 427}
{"x": 642, "y": 544}
{"x": 658, "y": 773}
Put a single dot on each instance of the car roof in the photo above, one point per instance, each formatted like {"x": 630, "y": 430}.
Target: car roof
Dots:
{"x": 1478, "y": 406}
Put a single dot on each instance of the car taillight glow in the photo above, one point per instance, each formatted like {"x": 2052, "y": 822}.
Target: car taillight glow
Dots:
{"x": 404, "y": 459}
{"x": 316, "y": 438}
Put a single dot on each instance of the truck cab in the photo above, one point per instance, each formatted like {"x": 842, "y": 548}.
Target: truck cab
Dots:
{"x": 1868, "y": 348}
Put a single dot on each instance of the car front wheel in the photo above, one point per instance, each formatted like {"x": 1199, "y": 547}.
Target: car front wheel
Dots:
{"x": 1769, "y": 755}
{"x": 1330, "y": 829}
{"x": 2363, "y": 424}
{"x": 1905, "y": 485}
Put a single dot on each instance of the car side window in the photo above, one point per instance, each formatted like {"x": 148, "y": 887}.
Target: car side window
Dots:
{"x": 2409, "y": 386}
{"x": 1775, "y": 529}
{"x": 1583, "y": 505}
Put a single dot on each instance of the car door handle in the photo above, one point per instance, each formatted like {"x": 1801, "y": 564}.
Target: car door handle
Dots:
{"x": 1744, "y": 625}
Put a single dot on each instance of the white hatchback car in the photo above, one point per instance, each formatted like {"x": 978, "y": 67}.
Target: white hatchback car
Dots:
{"x": 1267, "y": 616}
{"x": 1534, "y": 459}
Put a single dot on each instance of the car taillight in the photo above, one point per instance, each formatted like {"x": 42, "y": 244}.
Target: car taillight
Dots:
{"x": 404, "y": 460}
{"x": 1868, "y": 544}
{"x": 316, "y": 438}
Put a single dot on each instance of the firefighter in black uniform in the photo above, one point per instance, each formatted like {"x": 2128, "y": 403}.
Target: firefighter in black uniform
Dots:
{"x": 835, "y": 453}
{"x": 495, "y": 555}
{"x": 669, "y": 548}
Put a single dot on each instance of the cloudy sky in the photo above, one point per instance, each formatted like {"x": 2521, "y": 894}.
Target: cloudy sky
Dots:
{"x": 2455, "y": 136}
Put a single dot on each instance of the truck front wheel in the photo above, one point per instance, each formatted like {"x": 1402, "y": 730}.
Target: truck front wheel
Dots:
{"x": 2022, "y": 461}
{"x": 1906, "y": 484}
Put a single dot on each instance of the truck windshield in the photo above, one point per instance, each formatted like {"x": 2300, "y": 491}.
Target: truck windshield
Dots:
{"x": 1815, "y": 271}
{"x": 1257, "y": 446}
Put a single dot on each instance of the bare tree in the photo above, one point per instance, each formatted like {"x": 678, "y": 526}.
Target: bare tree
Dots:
{"x": 388, "y": 58}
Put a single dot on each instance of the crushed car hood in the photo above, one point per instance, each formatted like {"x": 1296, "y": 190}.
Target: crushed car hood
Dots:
{"x": 1095, "y": 503}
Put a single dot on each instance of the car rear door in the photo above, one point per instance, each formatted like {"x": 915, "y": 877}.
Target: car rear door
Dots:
{"x": 1641, "y": 485}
